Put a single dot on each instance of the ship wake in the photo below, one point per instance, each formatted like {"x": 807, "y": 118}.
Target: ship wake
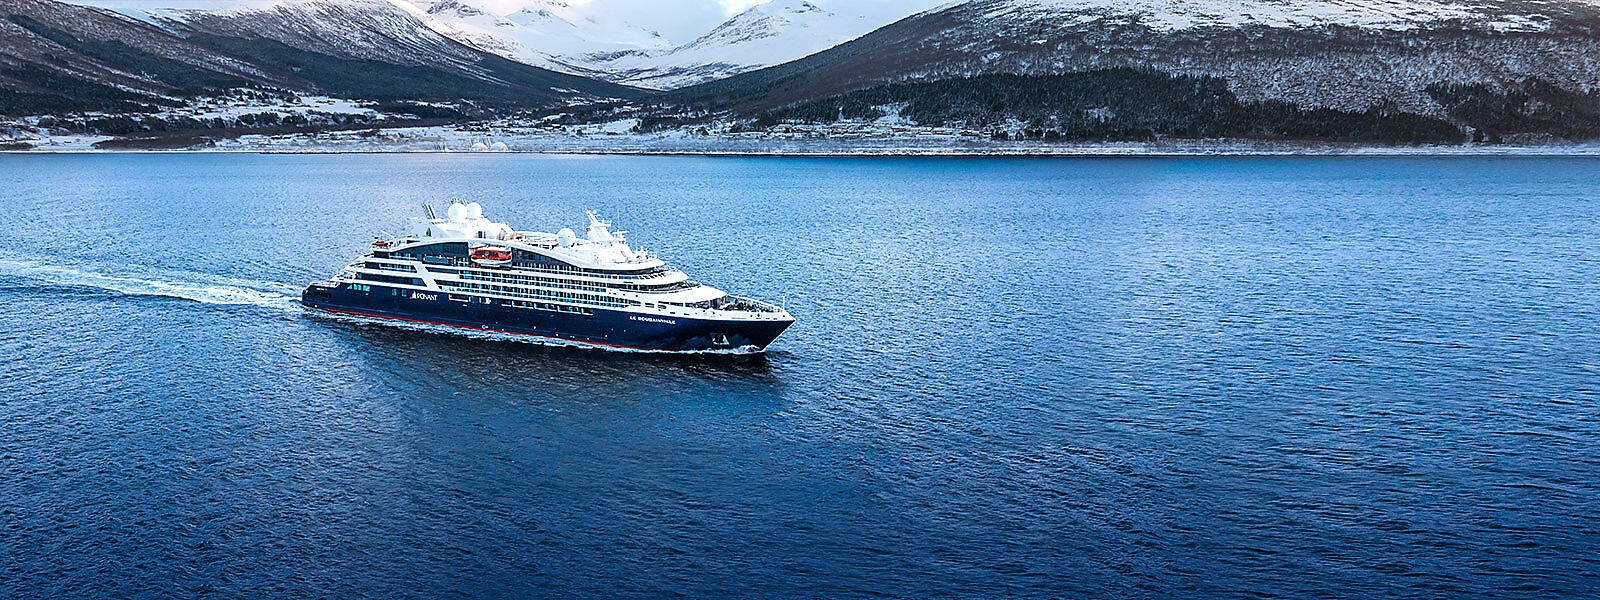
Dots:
{"x": 183, "y": 285}
{"x": 213, "y": 289}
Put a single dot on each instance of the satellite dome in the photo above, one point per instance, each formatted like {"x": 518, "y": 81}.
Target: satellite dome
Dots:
{"x": 565, "y": 236}
{"x": 457, "y": 212}
{"x": 474, "y": 211}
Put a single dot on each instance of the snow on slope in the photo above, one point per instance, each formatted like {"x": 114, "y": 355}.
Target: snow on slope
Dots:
{"x": 577, "y": 37}
{"x": 555, "y": 34}
{"x": 386, "y": 32}
{"x": 1345, "y": 54}
{"x": 154, "y": 10}
{"x": 1174, "y": 15}
{"x": 763, "y": 35}
{"x": 22, "y": 45}
{"x": 540, "y": 33}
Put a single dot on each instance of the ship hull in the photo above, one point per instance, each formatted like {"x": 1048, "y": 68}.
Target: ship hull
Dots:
{"x": 604, "y": 327}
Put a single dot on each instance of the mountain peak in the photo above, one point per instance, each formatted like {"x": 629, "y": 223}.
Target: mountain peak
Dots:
{"x": 765, "y": 20}
{"x": 786, "y": 6}
{"x": 455, "y": 8}
{"x": 760, "y": 36}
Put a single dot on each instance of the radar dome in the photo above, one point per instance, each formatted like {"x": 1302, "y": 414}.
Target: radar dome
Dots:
{"x": 457, "y": 212}
{"x": 565, "y": 236}
{"x": 474, "y": 211}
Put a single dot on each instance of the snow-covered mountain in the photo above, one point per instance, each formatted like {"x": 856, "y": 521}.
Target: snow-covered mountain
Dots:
{"x": 44, "y": 62}
{"x": 119, "y": 53}
{"x": 763, "y": 35}
{"x": 1347, "y": 54}
{"x": 585, "y": 38}
{"x": 355, "y": 29}
{"x": 576, "y": 38}
{"x": 542, "y": 33}
{"x": 1526, "y": 65}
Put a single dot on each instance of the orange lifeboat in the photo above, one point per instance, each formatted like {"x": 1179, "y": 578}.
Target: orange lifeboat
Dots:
{"x": 491, "y": 257}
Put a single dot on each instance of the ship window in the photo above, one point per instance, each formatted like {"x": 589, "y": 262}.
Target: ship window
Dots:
{"x": 445, "y": 248}
{"x": 389, "y": 279}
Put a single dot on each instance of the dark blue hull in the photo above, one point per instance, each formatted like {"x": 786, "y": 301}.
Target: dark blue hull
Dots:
{"x": 603, "y": 327}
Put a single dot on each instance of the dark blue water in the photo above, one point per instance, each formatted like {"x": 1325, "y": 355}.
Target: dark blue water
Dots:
{"x": 1149, "y": 378}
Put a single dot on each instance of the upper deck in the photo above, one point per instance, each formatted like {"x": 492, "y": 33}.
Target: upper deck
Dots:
{"x": 600, "y": 250}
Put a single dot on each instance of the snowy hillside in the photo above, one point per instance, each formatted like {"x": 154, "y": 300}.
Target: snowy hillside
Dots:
{"x": 129, "y": 56}
{"x": 584, "y": 38}
{"x": 1338, "y": 53}
{"x": 558, "y": 35}
{"x": 576, "y": 38}
{"x": 1344, "y": 54}
{"x": 541, "y": 33}
{"x": 767, "y": 34}
{"x": 1394, "y": 71}
{"x": 362, "y": 29}
{"x": 144, "y": 60}
{"x": 1174, "y": 15}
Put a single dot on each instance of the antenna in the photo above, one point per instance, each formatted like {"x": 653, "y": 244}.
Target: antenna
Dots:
{"x": 427, "y": 209}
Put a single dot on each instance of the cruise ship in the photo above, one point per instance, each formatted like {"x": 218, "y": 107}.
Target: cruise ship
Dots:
{"x": 466, "y": 271}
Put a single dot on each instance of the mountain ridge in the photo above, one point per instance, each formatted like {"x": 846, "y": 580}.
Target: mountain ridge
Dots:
{"x": 546, "y": 36}
{"x": 556, "y": 37}
{"x": 353, "y": 48}
{"x": 762, "y": 35}
{"x": 1331, "y": 64}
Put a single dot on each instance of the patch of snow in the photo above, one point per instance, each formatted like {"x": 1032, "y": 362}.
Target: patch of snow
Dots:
{"x": 233, "y": 107}
{"x": 1173, "y": 15}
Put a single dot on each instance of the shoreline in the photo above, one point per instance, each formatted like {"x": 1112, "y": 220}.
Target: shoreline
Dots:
{"x": 617, "y": 140}
{"x": 1361, "y": 152}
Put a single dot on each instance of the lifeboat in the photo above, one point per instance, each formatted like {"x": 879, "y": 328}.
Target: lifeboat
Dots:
{"x": 491, "y": 257}
{"x": 382, "y": 243}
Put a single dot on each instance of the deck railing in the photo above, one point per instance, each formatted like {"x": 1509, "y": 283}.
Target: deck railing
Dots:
{"x": 750, "y": 305}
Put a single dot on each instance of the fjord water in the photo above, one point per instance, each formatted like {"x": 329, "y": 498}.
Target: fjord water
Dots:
{"x": 1193, "y": 377}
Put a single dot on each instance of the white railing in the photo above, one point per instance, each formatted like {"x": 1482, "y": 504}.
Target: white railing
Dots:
{"x": 757, "y": 305}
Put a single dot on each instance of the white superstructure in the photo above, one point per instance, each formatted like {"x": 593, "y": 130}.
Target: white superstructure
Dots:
{"x": 559, "y": 271}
